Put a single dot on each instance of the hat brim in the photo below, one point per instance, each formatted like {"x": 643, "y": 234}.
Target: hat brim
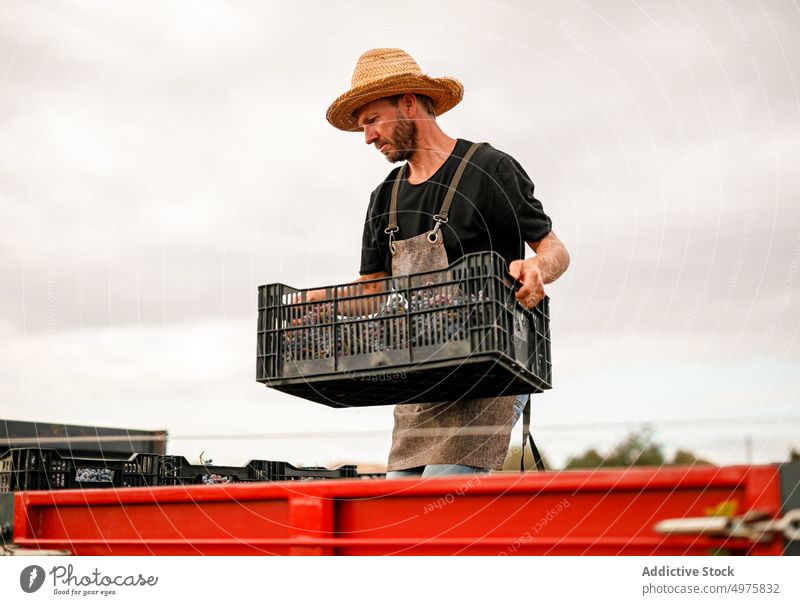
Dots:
{"x": 445, "y": 93}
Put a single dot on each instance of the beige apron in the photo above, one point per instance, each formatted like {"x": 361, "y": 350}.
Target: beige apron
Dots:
{"x": 475, "y": 432}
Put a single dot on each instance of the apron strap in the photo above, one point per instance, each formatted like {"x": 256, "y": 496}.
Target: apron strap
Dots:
{"x": 526, "y": 436}
{"x": 451, "y": 192}
{"x": 440, "y": 218}
{"x": 393, "y": 228}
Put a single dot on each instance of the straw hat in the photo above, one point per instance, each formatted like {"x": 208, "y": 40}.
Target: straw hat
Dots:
{"x": 384, "y": 72}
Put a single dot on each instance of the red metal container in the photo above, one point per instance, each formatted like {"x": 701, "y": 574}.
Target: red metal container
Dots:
{"x": 608, "y": 512}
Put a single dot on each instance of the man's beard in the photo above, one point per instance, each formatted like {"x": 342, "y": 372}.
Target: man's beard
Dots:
{"x": 404, "y": 141}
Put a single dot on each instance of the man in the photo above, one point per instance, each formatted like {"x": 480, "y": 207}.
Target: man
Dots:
{"x": 451, "y": 197}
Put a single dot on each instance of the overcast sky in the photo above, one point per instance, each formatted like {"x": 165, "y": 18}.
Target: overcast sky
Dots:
{"x": 160, "y": 160}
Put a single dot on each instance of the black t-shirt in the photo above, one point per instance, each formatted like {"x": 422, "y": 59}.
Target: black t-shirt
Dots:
{"x": 493, "y": 209}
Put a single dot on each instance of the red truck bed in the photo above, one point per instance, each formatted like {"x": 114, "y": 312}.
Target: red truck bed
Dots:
{"x": 607, "y": 512}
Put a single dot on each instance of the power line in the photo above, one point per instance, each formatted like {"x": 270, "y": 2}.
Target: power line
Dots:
{"x": 333, "y": 434}
{"x": 684, "y": 423}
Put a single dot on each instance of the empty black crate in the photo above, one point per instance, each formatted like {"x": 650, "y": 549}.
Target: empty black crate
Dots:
{"x": 26, "y": 469}
{"x": 441, "y": 335}
{"x": 176, "y": 470}
{"x": 283, "y": 471}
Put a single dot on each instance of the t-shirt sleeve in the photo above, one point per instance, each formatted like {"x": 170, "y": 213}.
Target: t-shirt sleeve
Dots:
{"x": 371, "y": 261}
{"x": 515, "y": 209}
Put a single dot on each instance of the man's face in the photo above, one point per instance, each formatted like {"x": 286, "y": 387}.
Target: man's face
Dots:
{"x": 385, "y": 126}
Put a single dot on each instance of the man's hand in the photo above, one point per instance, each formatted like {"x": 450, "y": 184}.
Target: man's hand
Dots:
{"x": 315, "y": 295}
{"x": 366, "y": 304}
{"x": 528, "y": 272}
{"x": 550, "y": 263}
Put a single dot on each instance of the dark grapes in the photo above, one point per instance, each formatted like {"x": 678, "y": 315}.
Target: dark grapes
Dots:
{"x": 94, "y": 475}
{"x": 392, "y": 327}
{"x": 214, "y": 479}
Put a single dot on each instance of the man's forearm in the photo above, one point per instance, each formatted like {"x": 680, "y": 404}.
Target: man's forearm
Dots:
{"x": 373, "y": 287}
{"x": 354, "y": 299}
{"x": 362, "y": 306}
{"x": 552, "y": 259}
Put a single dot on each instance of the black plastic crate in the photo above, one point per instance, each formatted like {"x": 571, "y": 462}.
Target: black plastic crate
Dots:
{"x": 283, "y": 471}
{"x": 176, "y": 470}
{"x": 433, "y": 336}
{"x": 26, "y": 469}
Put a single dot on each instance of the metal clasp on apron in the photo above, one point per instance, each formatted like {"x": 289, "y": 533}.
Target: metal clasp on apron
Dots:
{"x": 391, "y": 233}
{"x": 439, "y": 222}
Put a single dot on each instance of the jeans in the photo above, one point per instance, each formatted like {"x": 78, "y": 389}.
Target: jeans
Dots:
{"x": 436, "y": 470}
{"x": 519, "y": 406}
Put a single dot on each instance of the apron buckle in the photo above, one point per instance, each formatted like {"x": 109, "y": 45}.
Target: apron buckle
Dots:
{"x": 391, "y": 231}
{"x": 432, "y": 235}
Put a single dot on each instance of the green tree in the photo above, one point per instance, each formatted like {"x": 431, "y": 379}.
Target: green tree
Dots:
{"x": 684, "y": 458}
{"x": 635, "y": 449}
{"x": 589, "y": 459}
